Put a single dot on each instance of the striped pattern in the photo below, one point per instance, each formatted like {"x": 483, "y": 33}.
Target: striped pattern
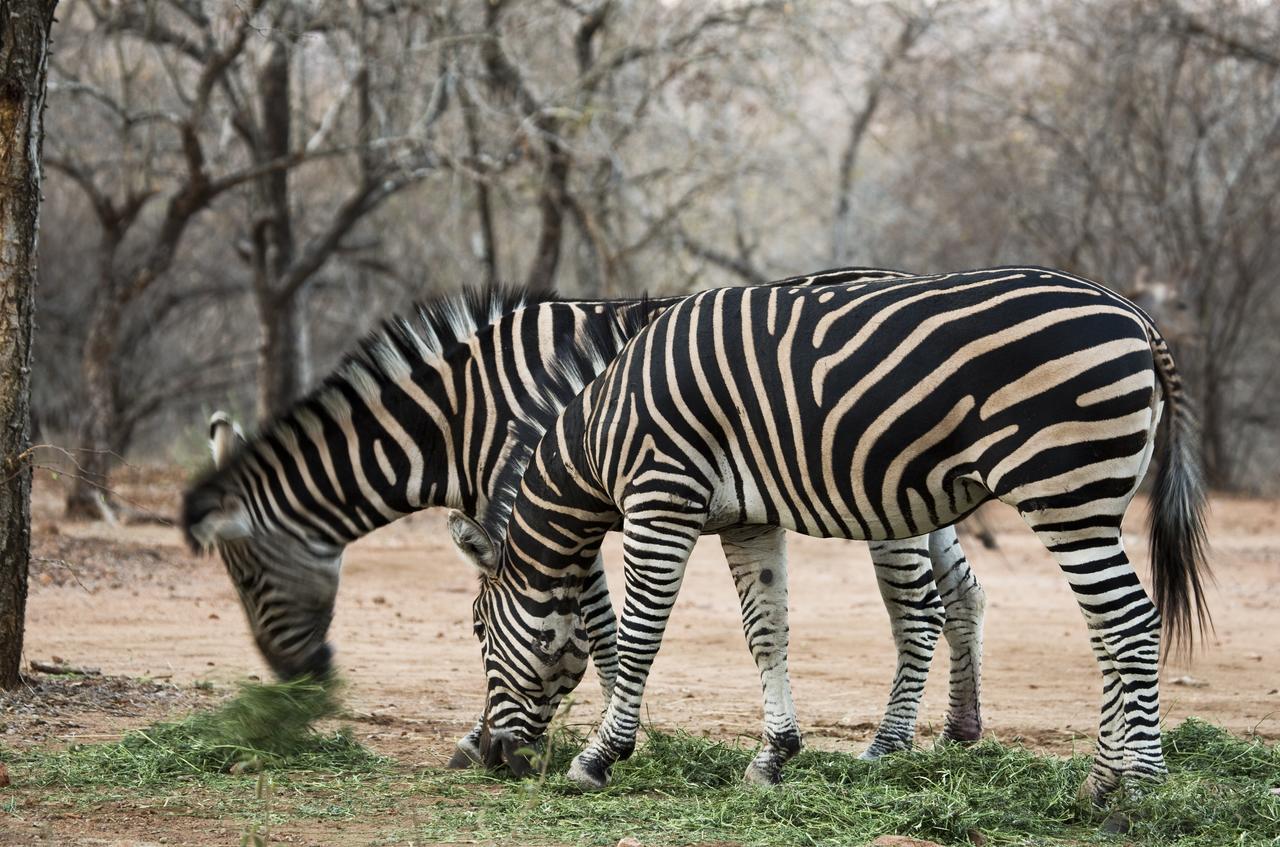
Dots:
{"x": 878, "y": 412}
{"x": 421, "y": 415}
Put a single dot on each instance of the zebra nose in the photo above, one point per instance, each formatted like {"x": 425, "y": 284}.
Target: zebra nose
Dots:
{"x": 490, "y": 749}
{"x": 515, "y": 758}
{"x": 318, "y": 664}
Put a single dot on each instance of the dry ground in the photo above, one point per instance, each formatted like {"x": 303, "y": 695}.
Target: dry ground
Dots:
{"x": 131, "y": 601}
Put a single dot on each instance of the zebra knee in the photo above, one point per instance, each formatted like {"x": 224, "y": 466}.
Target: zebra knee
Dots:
{"x": 969, "y": 605}
{"x": 930, "y": 614}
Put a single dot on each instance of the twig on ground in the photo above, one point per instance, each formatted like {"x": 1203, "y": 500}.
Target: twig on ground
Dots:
{"x": 69, "y": 670}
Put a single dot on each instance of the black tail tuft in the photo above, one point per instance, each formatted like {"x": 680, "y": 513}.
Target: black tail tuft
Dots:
{"x": 1179, "y": 566}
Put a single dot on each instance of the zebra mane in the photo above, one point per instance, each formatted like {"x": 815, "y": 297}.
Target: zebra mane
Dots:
{"x": 592, "y": 352}
{"x": 428, "y": 331}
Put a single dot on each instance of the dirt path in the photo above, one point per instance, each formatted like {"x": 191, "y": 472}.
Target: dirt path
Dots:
{"x": 133, "y": 602}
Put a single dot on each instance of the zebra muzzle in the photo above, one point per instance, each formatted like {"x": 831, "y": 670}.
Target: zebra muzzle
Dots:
{"x": 513, "y": 754}
{"x": 499, "y": 749}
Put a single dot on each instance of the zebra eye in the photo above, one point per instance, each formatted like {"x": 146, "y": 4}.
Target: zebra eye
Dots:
{"x": 478, "y": 628}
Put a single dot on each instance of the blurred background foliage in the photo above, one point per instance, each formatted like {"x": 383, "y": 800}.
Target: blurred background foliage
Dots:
{"x": 237, "y": 191}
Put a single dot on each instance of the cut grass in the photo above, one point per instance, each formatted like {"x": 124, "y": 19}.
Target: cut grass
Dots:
{"x": 263, "y": 727}
{"x": 678, "y": 789}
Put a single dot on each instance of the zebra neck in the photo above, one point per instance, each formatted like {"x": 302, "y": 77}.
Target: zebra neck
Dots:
{"x": 362, "y": 453}
{"x": 512, "y": 383}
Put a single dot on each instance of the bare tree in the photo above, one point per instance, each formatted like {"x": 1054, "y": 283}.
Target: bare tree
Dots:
{"x": 283, "y": 262}
{"x": 24, "y": 46}
{"x": 914, "y": 24}
{"x": 605, "y": 148}
{"x": 119, "y": 205}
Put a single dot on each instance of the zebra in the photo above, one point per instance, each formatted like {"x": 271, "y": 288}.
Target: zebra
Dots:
{"x": 854, "y": 411}
{"x": 420, "y": 416}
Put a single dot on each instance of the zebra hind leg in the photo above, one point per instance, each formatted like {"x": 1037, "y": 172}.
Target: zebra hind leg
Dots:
{"x": 656, "y": 549}
{"x": 905, "y": 577}
{"x": 1124, "y": 630}
{"x": 758, "y": 562}
{"x": 966, "y": 605}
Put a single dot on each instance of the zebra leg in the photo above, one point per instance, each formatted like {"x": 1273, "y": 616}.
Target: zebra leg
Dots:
{"x": 656, "y": 549}
{"x": 758, "y": 562}
{"x": 966, "y": 605}
{"x": 905, "y": 577}
{"x": 602, "y": 626}
{"x": 1124, "y": 630}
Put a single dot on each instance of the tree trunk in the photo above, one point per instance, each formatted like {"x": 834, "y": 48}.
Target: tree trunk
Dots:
{"x": 282, "y": 354}
{"x": 87, "y": 499}
{"x": 24, "y": 46}
{"x": 1213, "y": 448}
{"x": 554, "y": 199}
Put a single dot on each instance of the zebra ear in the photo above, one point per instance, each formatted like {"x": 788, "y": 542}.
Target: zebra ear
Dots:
{"x": 474, "y": 543}
{"x": 225, "y": 437}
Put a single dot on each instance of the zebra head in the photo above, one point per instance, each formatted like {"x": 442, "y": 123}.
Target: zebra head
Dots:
{"x": 534, "y": 645}
{"x": 286, "y": 579}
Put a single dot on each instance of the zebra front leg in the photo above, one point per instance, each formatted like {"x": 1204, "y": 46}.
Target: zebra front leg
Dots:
{"x": 905, "y": 578}
{"x": 758, "y": 562}
{"x": 655, "y": 551}
{"x": 966, "y": 605}
{"x": 602, "y": 626}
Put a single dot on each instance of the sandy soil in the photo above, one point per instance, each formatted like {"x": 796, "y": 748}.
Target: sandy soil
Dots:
{"x": 132, "y": 601}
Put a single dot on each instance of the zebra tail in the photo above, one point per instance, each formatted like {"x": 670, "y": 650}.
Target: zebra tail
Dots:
{"x": 1179, "y": 565}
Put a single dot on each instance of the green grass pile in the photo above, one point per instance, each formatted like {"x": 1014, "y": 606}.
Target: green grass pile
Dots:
{"x": 679, "y": 789}
{"x": 265, "y": 726}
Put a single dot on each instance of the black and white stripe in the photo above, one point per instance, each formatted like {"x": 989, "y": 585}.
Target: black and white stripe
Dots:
{"x": 421, "y": 416}
{"x": 877, "y": 412}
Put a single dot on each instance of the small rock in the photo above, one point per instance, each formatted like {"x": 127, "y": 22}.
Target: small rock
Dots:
{"x": 902, "y": 841}
{"x": 976, "y": 838}
{"x": 1189, "y": 682}
{"x": 1275, "y": 791}
{"x": 630, "y": 842}
{"x": 379, "y": 600}
{"x": 213, "y": 616}
{"x": 1274, "y": 691}
{"x": 5, "y": 782}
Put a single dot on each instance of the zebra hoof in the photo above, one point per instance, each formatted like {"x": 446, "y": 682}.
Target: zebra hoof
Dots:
{"x": 1117, "y": 823}
{"x": 588, "y": 775}
{"x": 946, "y": 740}
{"x": 1096, "y": 790}
{"x": 766, "y": 774}
{"x": 881, "y": 748}
{"x": 964, "y": 735}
